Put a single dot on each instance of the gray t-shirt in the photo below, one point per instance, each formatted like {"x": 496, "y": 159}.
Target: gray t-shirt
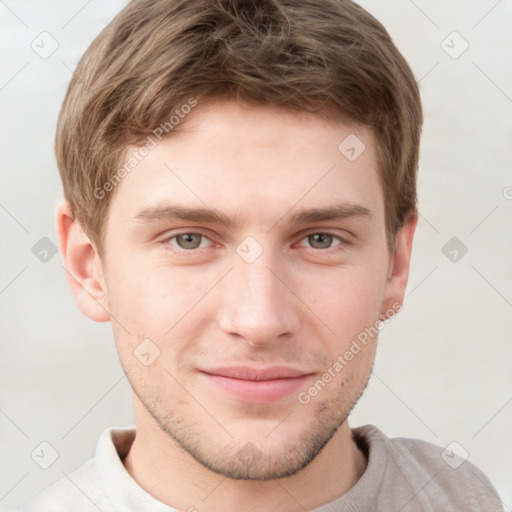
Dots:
{"x": 403, "y": 475}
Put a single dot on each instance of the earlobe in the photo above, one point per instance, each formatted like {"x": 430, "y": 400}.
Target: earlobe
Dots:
{"x": 398, "y": 274}
{"x": 82, "y": 265}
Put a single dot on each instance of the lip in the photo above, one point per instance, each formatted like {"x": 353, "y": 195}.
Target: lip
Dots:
{"x": 257, "y": 385}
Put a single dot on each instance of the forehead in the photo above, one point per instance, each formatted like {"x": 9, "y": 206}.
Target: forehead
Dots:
{"x": 253, "y": 162}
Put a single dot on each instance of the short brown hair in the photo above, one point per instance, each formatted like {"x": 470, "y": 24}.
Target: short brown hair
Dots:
{"x": 330, "y": 57}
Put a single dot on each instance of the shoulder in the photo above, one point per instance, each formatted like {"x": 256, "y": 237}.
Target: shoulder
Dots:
{"x": 429, "y": 474}
{"x": 89, "y": 487}
{"x": 79, "y": 491}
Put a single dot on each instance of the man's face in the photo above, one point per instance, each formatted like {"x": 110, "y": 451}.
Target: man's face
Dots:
{"x": 269, "y": 296}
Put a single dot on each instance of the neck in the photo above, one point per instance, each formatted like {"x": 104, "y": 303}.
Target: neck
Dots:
{"x": 161, "y": 467}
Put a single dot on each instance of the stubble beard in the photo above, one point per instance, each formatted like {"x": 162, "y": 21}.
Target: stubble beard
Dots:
{"x": 239, "y": 459}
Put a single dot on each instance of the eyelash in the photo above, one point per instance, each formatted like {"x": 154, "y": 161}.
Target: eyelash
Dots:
{"x": 177, "y": 250}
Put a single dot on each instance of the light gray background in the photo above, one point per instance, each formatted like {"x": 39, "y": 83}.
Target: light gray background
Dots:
{"x": 443, "y": 366}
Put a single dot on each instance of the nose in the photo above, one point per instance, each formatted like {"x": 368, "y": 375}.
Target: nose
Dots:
{"x": 258, "y": 303}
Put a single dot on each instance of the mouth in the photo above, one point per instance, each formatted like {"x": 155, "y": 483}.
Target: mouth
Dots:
{"x": 257, "y": 385}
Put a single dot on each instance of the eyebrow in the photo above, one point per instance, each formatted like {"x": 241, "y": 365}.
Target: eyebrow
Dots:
{"x": 208, "y": 215}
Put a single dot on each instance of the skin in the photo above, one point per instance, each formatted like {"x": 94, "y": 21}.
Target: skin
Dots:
{"x": 299, "y": 304}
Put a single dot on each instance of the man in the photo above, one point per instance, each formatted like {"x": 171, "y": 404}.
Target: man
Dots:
{"x": 240, "y": 203}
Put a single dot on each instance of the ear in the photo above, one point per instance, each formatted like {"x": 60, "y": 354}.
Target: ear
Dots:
{"x": 82, "y": 264}
{"x": 398, "y": 273}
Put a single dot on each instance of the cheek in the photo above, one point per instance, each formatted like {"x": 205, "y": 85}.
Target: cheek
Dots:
{"x": 174, "y": 305}
{"x": 347, "y": 299}
{"x": 153, "y": 296}
{"x": 158, "y": 303}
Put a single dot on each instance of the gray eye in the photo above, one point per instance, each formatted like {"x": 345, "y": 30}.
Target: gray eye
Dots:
{"x": 323, "y": 240}
{"x": 186, "y": 240}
